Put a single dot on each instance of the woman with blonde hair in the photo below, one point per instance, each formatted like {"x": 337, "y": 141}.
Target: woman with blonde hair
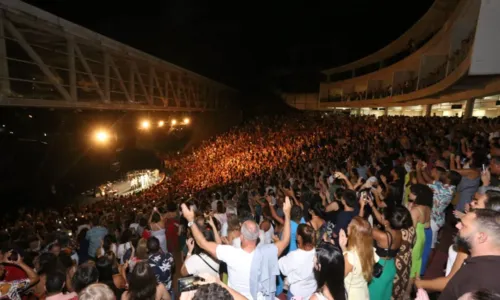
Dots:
{"x": 359, "y": 257}
{"x": 97, "y": 291}
{"x": 140, "y": 253}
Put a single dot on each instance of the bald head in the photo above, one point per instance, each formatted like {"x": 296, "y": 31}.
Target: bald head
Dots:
{"x": 249, "y": 231}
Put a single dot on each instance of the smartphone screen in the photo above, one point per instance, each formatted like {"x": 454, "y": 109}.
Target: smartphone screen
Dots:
{"x": 187, "y": 283}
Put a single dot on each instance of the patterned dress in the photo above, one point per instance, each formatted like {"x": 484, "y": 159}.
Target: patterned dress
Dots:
{"x": 403, "y": 263}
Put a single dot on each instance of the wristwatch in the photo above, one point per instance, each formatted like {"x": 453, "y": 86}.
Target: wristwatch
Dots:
{"x": 190, "y": 223}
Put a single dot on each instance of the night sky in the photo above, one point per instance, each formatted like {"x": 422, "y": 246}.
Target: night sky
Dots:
{"x": 250, "y": 45}
{"x": 245, "y": 43}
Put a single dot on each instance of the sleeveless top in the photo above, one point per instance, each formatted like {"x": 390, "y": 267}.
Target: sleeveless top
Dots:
{"x": 386, "y": 252}
{"x": 160, "y": 235}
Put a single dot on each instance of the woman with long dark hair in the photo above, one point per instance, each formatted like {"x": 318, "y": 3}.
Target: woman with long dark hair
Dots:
{"x": 198, "y": 261}
{"x": 142, "y": 285}
{"x": 388, "y": 240}
{"x": 317, "y": 221}
{"x": 329, "y": 273}
{"x": 107, "y": 275}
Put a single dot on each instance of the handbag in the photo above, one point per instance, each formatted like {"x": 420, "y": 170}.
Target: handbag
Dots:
{"x": 378, "y": 269}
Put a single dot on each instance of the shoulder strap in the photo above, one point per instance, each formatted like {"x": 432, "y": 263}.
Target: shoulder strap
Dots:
{"x": 420, "y": 211}
{"x": 389, "y": 239}
{"x": 208, "y": 264}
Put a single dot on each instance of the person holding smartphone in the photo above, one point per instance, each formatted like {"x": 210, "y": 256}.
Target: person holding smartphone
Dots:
{"x": 11, "y": 289}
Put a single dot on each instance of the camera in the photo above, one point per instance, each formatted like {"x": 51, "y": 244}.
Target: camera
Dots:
{"x": 186, "y": 284}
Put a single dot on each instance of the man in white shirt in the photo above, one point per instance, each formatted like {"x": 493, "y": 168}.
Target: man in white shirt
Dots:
{"x": 239, "y": 261}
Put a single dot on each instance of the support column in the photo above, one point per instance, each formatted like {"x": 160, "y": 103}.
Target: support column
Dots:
{"x": 386, "y": 111}
{"x": 428, "y": 109}
{"x": 4, "y": 65}
{"x": 469, "y": 107}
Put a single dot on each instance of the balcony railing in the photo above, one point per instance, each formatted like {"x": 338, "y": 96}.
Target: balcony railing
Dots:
{"x": 414, "y": 84}
{"x": 412, "y": 47}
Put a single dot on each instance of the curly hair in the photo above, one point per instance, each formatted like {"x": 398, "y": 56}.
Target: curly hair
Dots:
{"x": 212, "y": 291}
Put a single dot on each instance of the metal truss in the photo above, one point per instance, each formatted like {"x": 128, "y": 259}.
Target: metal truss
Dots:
{"x": 46, "y": 61}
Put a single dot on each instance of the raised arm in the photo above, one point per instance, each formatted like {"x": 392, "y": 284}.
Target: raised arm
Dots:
{"x": 438, "y": 284}
{"x": 275, "y": 215}
{"x": 214, "y": 229}
{"x": 210, "y": 247}
{"x": 347, "y": 182}
{"x": 422, "y": 176}
{"x": 32, "y": 275}
{"x": 285, "y": 239}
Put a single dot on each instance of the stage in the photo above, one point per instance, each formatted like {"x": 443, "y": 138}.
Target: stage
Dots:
{"x": 133, "y": 182}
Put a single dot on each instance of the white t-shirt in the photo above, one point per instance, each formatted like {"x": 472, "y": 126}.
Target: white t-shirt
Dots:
{"x": 196, "y": 266}
{"x": 214, "y": 205}
{"x": 222, "y": 218}
{"x": 452, "y": 256}
{"x": 122, "y": 248}
{"x": 298, "y": 266}
{"x": 223, "y": 229}
{"x": 239, "y": 263}
{"x": 134, "y": 226}
{"x": 268, "y": 235}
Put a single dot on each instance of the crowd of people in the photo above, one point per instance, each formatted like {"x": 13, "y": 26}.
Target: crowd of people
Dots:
{"x": 305, "y": 206}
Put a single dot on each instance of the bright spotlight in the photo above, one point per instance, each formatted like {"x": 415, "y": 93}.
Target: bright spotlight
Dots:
{"x": 101, "y": 136}
{"x": 186, "y": 121}
{"x": 161, "y": 123}
{"x": 174, "y": 121}
{"x": 145, "y": 124}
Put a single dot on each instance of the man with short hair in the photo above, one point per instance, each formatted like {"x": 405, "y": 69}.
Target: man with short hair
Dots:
{"x": 161, "y": 263}
{"x": 491, "y": 177}
{"x": 54, "y": 285}
{"x": 95, "y": 235}
{"x": 350, "y": 201}
{"x": 478, "y": 231}
{"x": 252, "y": 270}
{"x": 486, "y": 196}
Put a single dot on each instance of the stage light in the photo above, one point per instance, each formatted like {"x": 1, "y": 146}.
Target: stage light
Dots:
{"x": 161, "y": 123}
{"x": 101, "y": 136}
{"x": 186, "y": 121}
{"x": 145, "y": 124}
{"x": 174, "y": 121}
